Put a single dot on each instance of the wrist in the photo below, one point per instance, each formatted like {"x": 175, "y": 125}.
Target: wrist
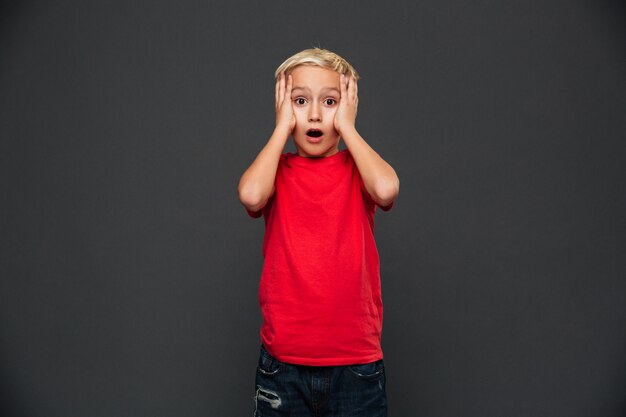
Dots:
{"x": 346, "y": 130}
{"x": 283, "y": 131}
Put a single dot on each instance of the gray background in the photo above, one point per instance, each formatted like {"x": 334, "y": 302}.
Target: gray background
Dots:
{"x": 130, "y": 271}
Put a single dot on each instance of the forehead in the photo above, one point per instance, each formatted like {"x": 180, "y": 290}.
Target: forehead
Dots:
{"x": 314, "y": 78}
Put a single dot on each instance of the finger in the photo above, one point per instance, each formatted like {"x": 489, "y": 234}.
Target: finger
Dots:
{"x": 281, "y": 88}
{"x": 342, "y": 84}
{"x": 289, "y": 87}
{"x": 276, "y": 92}
{"x": 356, "y": 87}
{"x": 352, "y": 89}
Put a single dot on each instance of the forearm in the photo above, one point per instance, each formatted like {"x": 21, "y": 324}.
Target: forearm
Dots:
{"x": 379, "y": 178}
{"x": 256, "y": 185}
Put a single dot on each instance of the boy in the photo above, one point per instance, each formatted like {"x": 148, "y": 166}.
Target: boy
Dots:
{"x": 320, "y": 286}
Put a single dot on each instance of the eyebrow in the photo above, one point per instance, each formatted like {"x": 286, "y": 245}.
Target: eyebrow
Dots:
{"x": 323, "y": 89}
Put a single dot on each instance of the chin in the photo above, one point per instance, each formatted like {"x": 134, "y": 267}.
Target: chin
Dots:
{"x": 317, "y": 150}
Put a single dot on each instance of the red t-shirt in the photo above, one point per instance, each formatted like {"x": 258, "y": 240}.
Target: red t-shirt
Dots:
{"x": 320, "y": 287}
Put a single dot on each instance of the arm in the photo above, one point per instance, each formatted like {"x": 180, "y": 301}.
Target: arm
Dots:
{"x": 256, "y": 185}
{"x": 379, "y": 178}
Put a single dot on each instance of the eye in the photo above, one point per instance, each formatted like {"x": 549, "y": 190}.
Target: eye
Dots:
{"x": 330, "y": 101}
{"x": 300, "y": 101}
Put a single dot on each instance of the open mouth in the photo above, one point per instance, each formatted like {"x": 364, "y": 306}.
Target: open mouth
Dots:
{"x": 314, "y": 133}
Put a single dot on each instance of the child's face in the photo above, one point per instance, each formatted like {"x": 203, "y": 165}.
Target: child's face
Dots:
{"x": 315, "y": 97}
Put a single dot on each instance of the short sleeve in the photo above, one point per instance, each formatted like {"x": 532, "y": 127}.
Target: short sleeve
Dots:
{"x": 254, "y": 214}
{"x": 264, "y": 211}
{"x": 387, "y": 207}
{"x": 368, "y": 198}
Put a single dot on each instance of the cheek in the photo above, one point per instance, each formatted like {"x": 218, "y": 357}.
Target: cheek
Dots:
{"x": 300, "y": 114}
{"x": 330, "y": 112}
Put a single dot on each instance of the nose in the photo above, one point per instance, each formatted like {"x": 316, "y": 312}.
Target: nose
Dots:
{"x": 315, "y": 115}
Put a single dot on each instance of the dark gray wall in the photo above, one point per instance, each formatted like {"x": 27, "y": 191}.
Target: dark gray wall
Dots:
{"x": 129, "y": 270}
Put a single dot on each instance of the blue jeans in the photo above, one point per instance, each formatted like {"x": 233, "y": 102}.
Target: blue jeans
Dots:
{"x": 284, "y": 389}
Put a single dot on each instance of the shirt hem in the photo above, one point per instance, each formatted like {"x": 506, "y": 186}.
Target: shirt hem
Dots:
{"x": 294, "y": 360}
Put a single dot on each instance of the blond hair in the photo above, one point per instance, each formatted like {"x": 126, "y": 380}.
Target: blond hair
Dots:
{"x": 317, "y": 57}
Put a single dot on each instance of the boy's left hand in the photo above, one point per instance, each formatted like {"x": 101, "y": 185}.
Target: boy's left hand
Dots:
{"x": 345, "y": 117}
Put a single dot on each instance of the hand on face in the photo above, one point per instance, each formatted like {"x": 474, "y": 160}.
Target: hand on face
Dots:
{"x": 284, "y": 110}
{"x": 345, "y": 117}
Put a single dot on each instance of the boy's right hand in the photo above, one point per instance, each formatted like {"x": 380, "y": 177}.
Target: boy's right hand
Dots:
{"x": 285, "y": 118}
